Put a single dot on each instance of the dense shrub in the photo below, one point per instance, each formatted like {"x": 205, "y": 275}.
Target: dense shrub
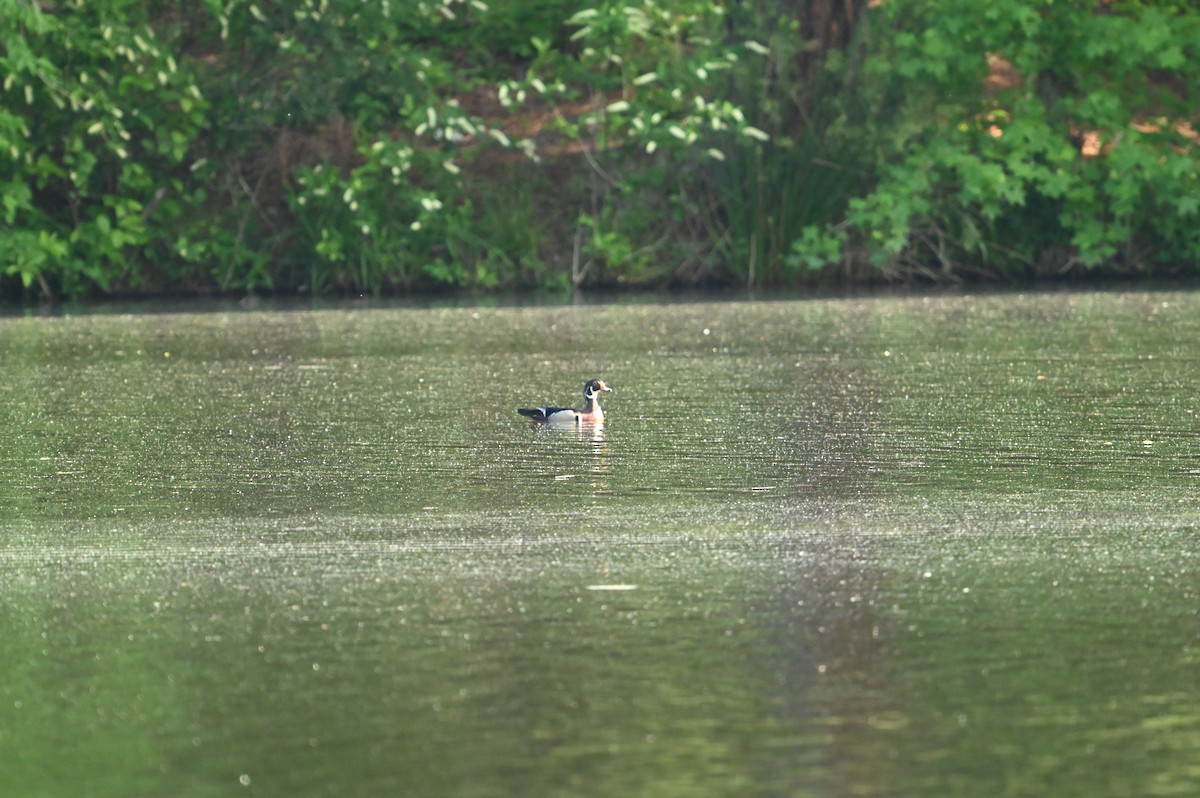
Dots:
{"x": 234, "y": 145}
{"x": 98, "y": 117}
{"x": 1025, "y": 137}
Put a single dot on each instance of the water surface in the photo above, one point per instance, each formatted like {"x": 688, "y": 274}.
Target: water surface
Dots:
{"x": 914, "y": 546}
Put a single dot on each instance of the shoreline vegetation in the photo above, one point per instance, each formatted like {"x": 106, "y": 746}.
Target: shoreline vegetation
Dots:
{"x": 335, "y": 147}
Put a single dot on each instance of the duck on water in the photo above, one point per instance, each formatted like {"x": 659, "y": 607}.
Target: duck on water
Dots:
{"x": 591, "y": 413}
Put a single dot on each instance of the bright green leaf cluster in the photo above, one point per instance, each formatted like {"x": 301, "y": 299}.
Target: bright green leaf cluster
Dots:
{"x": 1078, "y": 152}
{"x": 236, "y": 145}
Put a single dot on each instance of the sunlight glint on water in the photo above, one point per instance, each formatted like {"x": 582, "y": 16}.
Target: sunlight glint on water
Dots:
{"x": 882, "y": 546}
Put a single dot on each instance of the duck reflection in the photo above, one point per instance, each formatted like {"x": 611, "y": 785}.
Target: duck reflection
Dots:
{"x": 593, "y": 455}
{"x": 588, "y": 431}
{"x": 593, "y": 432}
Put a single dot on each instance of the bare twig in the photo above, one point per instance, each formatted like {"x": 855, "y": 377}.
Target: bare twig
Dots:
{"x": 578, "y": 273}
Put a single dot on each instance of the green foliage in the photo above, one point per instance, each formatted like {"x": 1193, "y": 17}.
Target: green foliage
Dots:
{"x": 338, "y": 132}
{"x": 97, "y": 118}
{"x": 797, "y": 81}
{"x": 657, "y": 78}
{"x": 324, "y": 145}
{"x": 1081, "y": 155}
{"x": 659, "y": 69}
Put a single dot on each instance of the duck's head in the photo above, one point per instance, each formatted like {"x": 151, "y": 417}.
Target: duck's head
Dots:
{"x": 593, "y": 387}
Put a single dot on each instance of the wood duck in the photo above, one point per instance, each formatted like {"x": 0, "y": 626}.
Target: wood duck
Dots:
{"x": 556, "y": 416}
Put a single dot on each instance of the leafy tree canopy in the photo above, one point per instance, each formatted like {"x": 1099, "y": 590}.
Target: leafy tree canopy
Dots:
{"x": 238, "y": 145}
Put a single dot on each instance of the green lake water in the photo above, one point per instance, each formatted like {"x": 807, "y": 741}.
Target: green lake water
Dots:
{"x": 921, "y": 546}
